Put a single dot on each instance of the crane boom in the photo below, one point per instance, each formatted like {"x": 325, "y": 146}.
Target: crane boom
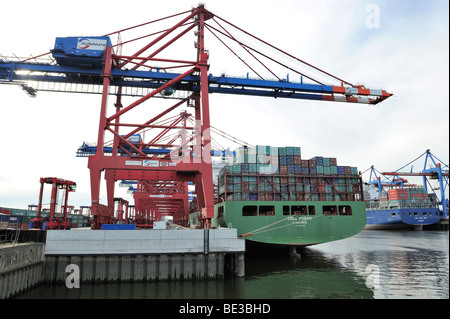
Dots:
{"x": 23, "y": 72}
{"x": 413, "y": 174}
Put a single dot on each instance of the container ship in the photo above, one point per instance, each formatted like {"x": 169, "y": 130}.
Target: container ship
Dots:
{"x": 400, "y": 208}
{"x": 273, "y": 197}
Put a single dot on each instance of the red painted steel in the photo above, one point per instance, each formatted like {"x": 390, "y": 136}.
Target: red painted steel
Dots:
{"x": 156, "y": 199}
{"x": 54, "y": 221}
{"x": 189, "y": 159}
{"x": 154, "y": 172}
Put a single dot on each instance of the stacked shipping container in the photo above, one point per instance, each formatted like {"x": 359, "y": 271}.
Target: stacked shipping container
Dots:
{"x": 406, "y": 194}
{"x": 25, "y": 217}
{"x": 279, "y": 173}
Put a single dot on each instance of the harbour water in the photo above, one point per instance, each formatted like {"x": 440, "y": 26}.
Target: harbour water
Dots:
{"x": 371, "y": 265}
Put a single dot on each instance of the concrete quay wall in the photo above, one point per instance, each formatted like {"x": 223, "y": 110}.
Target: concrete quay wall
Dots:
{"x": 137, "y": 268}
{"x": 137, "y": 255}
{"x": 150, "y": 241}
{"x": 121, "y": 255}
{"x": 20, "y": 267}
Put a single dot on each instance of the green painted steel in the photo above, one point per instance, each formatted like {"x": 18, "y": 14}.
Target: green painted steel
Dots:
{"x": 331, "y": 220}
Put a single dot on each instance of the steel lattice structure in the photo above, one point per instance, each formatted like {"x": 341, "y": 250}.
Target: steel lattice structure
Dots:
{"x": 95, "y": 65}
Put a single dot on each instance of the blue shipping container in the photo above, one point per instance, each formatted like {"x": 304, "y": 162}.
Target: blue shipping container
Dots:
{"x": 118, "y": 226}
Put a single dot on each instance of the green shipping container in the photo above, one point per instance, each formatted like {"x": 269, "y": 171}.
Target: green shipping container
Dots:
{"x": 319, "y": 169}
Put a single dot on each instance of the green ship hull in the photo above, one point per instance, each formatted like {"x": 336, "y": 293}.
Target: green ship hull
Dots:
{"x": 290, "y": 223}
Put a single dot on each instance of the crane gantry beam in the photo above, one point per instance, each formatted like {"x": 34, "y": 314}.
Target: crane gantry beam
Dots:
{"x": 413, "y": 174}
{"x": 13, "y": 73}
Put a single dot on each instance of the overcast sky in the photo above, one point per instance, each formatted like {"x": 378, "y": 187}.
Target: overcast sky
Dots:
{"x": 404, "y": 50}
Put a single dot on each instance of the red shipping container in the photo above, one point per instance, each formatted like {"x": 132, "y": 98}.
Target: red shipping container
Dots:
{"x": 5, "y": 211}
{"x": 398, "y": 192}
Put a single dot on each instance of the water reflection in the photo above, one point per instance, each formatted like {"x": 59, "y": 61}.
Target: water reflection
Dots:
{"x": 314, "y": 276}
{"x": 410, "y": 265}
{"x": 227, "y": 288}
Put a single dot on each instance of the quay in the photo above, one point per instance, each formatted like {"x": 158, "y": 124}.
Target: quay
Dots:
{"x": 121, "y": 255}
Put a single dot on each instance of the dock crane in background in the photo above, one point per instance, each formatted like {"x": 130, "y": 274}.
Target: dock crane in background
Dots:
{"x": 376, "y": 179}
{"x": 95, "y": 65}
{"x": 438, "y": 171}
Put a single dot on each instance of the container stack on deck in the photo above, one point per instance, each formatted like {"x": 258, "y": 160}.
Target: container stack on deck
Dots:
{"x": 268, "y": 173}
{"x": 406, "y": 197}
{"x": 409, "y": 194}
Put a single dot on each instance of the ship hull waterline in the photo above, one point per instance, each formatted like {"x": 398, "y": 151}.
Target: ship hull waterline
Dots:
{"x": 277, "y": 226}
{"x": 401, "y": 218}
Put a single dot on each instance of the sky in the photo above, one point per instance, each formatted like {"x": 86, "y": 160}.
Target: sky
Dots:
{"x": 400, "y": 46}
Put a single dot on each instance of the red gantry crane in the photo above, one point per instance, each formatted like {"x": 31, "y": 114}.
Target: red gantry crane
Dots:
{"x": 95, "y": 65}
{"x": 54, "y": 221}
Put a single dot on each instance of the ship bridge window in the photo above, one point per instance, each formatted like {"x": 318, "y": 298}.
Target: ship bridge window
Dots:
{"x": 249, "y": 210}
{"x": 345, "y": 210}
{"x": 220, "y": 211}
{"x": 266, "y": 210}
{"x": 298, "y": 210}
{"x": 329, "y": 210}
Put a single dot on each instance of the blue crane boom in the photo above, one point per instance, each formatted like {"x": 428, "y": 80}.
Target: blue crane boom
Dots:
{"x": 12, "y": 73}
{"x": 84, "y": 66}
{"x": 86, "y": 150}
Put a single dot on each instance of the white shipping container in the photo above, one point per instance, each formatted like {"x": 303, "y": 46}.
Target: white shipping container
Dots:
{"x": 159, "y": 225}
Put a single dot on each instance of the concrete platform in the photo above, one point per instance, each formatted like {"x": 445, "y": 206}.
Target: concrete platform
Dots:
{"x": 142, "y": 242}
{"x": 145, "y": 254}
{"x": 122, "y": 255}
